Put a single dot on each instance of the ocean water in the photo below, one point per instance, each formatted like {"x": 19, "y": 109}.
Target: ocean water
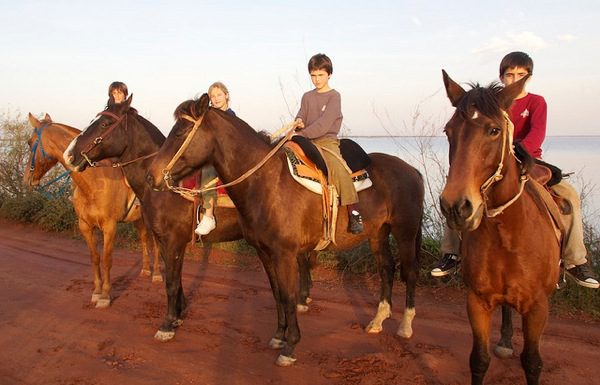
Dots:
{"x": 576, "y": 154}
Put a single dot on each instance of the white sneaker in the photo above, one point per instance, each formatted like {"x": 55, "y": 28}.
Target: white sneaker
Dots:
{"x": 206, "y": 225}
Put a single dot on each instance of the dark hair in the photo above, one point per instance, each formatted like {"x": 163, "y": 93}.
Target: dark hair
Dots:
{"x": 516, "y": 59}
{"x": 320, "y": 61}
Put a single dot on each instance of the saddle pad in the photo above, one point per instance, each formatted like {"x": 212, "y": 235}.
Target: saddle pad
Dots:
{"x": 305, "y": 172}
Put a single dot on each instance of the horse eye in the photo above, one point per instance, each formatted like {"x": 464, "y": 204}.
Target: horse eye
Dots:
{"x": 494, "y": 131}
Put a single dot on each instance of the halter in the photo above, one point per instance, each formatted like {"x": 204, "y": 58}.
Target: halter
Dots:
{"x": 98, "y": 139}
{"x": 195, "y": 192}
{"x": 497, "y": 176}
{"x": 38, "y": 142}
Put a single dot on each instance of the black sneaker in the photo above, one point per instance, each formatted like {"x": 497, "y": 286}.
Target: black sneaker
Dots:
{"x": 446, "y": 265}
{"x": 584, "y": 276}
{"x": 355, "y": 223}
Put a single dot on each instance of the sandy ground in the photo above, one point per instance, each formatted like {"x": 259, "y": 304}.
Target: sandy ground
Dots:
{"x": 51, "y": 334}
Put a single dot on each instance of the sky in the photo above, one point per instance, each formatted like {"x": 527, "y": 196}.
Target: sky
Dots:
{"x": 59, "y": 57}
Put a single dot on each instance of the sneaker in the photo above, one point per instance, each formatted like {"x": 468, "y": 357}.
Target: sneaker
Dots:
{"x": 355, "y": 223}
{"x": 445, "y": 266}
{"x": 584, "y": 276}
{"x": 206, "y": 225}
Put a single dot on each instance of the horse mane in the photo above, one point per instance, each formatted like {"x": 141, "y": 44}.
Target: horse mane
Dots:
{"x": 483, "y": 99}
{"x": 155, "y": 134}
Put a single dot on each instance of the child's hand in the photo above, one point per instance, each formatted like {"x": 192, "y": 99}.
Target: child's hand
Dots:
{"x": 298, "y": 124}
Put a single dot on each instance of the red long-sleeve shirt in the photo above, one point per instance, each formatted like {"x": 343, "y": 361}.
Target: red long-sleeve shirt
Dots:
{"x": 528, "y": 114}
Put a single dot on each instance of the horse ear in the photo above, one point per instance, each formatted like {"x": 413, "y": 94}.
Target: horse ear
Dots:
{"x": 453, "y": 90}
{"x": 202, "y": 104}
{"x": 128, "y": 101}
{"x": 35, "y": 123}
{"x": 510, "y": 92}
{"x": 47, "y": 118}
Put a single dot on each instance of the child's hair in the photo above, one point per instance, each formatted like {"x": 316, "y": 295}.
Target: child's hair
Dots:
{"x": 220, "y": 86}
{"x": 516, "y": 59}
{"x": 117, "y": 86}
{"x": 320, "y": 61}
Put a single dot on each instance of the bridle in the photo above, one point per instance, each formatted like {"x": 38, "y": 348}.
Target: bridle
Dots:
{"x": 195, "y": 192}
{"x": 38, "y": 142}
{"x": 497, "y": 176}
{"x": 99, "y": 139}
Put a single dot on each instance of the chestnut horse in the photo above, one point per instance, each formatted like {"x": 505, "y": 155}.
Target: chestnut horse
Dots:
{"x": 131, "y": 142}
{"x": 282, "y": 219}
{"x": 510, "y": 249}
{"x": 101, "y": 199}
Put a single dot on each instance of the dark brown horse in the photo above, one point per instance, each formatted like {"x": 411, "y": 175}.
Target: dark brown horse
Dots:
{"x": 509, "y": 246}
{"x": 282, "y": 219}
{"x": 101, "y": 198}
{"x": 129, "y": 139}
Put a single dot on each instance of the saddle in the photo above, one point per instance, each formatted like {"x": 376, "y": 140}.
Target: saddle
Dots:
{"x": 308, "y": 168}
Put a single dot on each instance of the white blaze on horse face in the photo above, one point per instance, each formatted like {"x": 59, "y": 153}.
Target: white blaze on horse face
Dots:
{"x": 68, "y": 154}
{"x": 475, "y": 115}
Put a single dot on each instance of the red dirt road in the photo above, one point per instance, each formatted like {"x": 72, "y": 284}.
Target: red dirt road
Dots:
{"x": 52, "y": 335}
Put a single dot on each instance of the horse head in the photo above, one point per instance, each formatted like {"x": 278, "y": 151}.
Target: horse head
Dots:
{"x": 102, "y": 138}
{"x": 179, "y": 154}
{"x": 39, "y": 162}
{"x": 480, "y": 150}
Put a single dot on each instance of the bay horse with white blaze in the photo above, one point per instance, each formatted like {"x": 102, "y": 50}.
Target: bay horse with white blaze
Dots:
{"x": 101, "y": 199}
{"x": 121, "y": 135}
{"x": 282, "y": 219}
{"x": 509, "y": 244}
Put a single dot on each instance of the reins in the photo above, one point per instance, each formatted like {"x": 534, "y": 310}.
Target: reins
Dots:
{"x": 38, "y": 142}
{"x": 195, "y": 192}
{"x": 497, "y": 176}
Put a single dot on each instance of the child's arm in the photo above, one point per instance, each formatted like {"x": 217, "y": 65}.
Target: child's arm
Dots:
{"x": 537, "y": 132}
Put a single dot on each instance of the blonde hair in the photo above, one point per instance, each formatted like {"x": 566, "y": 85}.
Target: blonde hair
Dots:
{"x": 220, "y": 86}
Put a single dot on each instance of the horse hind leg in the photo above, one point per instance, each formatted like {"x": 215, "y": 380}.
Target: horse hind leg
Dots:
{"x": 88, "y": 234}
{"x": 145, "y": 238}
{"x": 504, "y": 347}
{"x": 286, "y": 274}
{"x": 533, "y": 326}
{"x": 408, "y": 250}
{"x": 386, "y": 266}
{"x": 305, "y": 263}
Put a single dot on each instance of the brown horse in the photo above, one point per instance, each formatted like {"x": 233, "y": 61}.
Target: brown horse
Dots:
{"x": 509, "y": 246}
{"x": 282, "y": 219}
{"x": 101, "y": 199}
{"x": 131, "y": 141}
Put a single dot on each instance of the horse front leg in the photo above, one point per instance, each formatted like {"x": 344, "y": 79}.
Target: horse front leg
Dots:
{"x": 286, "y": 270}
{"x": 504, "y": 347}
{"x": 173, "y": 260}
{"x": 533, "y": 326}
{"x": 479, "y": 317}
{"x": 88, "y": 234}
{"x": 278, "y": 339}
{"x": 386, "y": 267}
{"x": 109, "y": 230}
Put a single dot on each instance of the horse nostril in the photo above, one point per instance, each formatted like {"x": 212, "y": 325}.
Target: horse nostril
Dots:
{"x": 465, "y": 208}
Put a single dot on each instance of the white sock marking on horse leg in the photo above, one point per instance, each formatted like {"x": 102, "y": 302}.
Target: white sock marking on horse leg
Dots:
{"x": 405, "y": 328}
{"x": 384, "y": 311}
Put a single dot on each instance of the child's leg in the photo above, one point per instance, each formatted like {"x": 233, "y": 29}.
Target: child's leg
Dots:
{"x": 574, "y": 251}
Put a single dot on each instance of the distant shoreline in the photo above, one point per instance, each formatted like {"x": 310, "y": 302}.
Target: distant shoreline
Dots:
{"x": 442, "y": 136}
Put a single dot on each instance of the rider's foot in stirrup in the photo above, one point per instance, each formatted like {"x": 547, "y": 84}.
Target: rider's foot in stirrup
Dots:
{"x": 355, "y": 223}
{"x": 206, "y": 225}
{"x": 584, "y": 275}
{"x": 446, "y": 265}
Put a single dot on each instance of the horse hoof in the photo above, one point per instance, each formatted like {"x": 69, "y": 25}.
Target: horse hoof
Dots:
{"x": 276, "y": 343}
{"x": 405, "y": 332}
{"x": 503, "y": 352}
{"x": 145, "y": 273}
{"x": 373, "y": 329}
{"x": 301, "y": 308}
{"x": 285, "y": 361}
{"x": 157, "y": 278}
{"x": 308, "y": 300}
{"x": 95, "y": 298}
{"x": 164, "y": 336}
{"x": 103, "y": 303}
